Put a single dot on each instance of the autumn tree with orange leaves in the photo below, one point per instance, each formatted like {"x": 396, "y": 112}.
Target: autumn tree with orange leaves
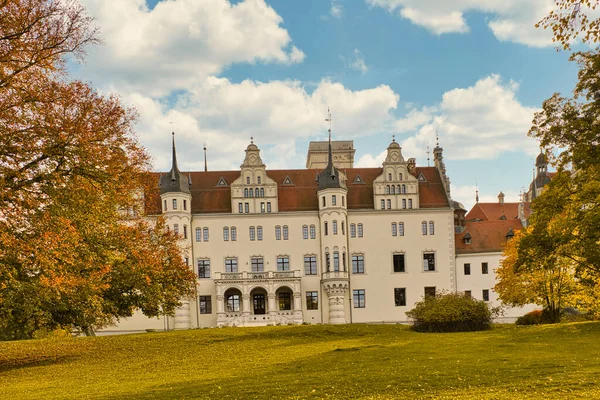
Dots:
{"x": 75, "y": 250}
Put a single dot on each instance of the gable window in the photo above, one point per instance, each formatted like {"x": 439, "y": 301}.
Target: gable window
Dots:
{"x": 403, "y": 203}
{"x": 394, "y": 229}
{"x": 305, "y": 232}
{"x": 252, "y": 233}
{"x": 334, "y": 227}
{"x": 333, "y": 200}
{"x": 247, "y": 207}
{"x": 382, "y": 204}
{"x": 467, "y": 268}
{"x": 484, "y": 268}
{"x": 400, "y": 176}
{"x": 398, "y": 260}
{"x": 283, "y": 263}
{"x": 428, "y": 261}
{"x": 410, "y": 203}
{"x": 312, "y": 300}
{"x": 251, "y": 192}
{"x": 431, "y": 227}
{"x": 358, "y": 264}
{"x": 247, "y": 180}
{"x": 278, "y": 232}
{"x": 313, "y": 232}
{"x": 225, "y": 234}
{"x": 389, "y": 176}
{"x": 310, "y": 265}
{"x": 400, "y": 228}
{"x": 233, "y": 234}
{"x": 485, "y": 294}
{"x": 205, "y": 305}
{"x": 286, "y": 232}
{"x": 268, "y": 206}
{"x": 360, "y": 230}
{"x": 359, "y": 298}
{"x": 258, "y": 180}
{"x": 259, "y": 232}
{"x": 353, "y": 230}
{"x": 258, "y": 264}
{"x": 336, "y": 261}
{"x": 400, "y": 297}
{"x": 205, "y": 234}
{"x": 203, "y": 268}
{"x": 429, "y": 291}
{"x": 240, "y": 208}
{"x": 231, "y": 265}
{"x": 198, "y": 235}
{"x": 174, "y": 204}
{"x": 424, "y": 228}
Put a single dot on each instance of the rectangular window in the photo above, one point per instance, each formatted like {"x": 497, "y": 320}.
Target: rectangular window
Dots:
{"x": 310, "y": 265}
{"x": 252, "y": 233}
{"x": 312, "y": 300}
{"x": 231, "y": 265}
{"x": 428, "y": 261}
{"x": 205, "y": 234}
{"x": 484, "y": 268}
{"x": 286, "y": 232}
{"x": 262, "y": 207}
{"x": 467, "y": 293}
{"x": 259, "y": 232}
{"x": 403, "y": 203}
{"x": 353, "y": 230}
{"x": 410, "y": 203}
{"x": 285, "y": 301}
{"x": 225, "y": 234}
{"x": 165, "y": 205}
{"x": 185, "y": 231}
{"x": 424, "y": 228}
{"x": 174, "y": 204}
{"x": 187, "y": 261}
{"x": 485, "y": 294}
{"x": 333, "y": 200}
{"x": 324, "y": 202}
{"x": 383, "y": 204}
{"x": 400, "y": 297}
{"x": 185, "y": 204}
{"x": 336, "y": 261}
{"x": 283, "y": 263}
{"x": 240, "y": 208}
{"x": 343, "y": 230}
{"x": 334, "y": 227}
{"x": 431, "y": 228}
{"x": 233, "y": 234}
{"x": 360, "y": 230}
{"x": 358, "y": 264}
{"x": 277, "y": 232}
{"x": 176, "y": 229}
{"x": 398, "y": 260}
{"x": 203, "y": 268}
{"x": 467, "y": 268}
{"x": 233, "y": 302}
{"x": 325, "y": 230}
{"x": 389, "y": 204}
{"x": 304, "y": 232}
{"x": 429, "y": 291}
{"x": 268, "y": 206}
{"x": 247, "y": 207}
{"x": 327, "y": 262}
{"x": 394, "y": 229}
{"x": 343, "y": 202}
{"x": 400, "y": 228}
{"x": 258, "y": 265}
{"x": 358, "y": 298}
{"x": 205, "y": 305}
{"x": 313, "y": 232}
{"x": 198, "y": 235}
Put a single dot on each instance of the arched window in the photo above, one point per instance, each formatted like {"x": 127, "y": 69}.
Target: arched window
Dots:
{"x": 403, "y": 189}
{"x": 389, "y": 176}
{"x": 258, "y": 180}
{"x": 400, "y": 175}
{"x": 431, "y": 228}
{"x": 336, "y": 261}
{"x": 403, "y": 203}
{"x": 393, "y": 189}
{"x": 327, "y": 262}
{"x": 251, "y": 192}
{"x": 398, "y": 191}
{"x": 394, "y": 229}
{"x": 387, "y": 189}
{"x": 246, "y": 192}
{"x": 247, "y": 180}
{"x": 424, "y": 228}
{"x": 262, "y": 191}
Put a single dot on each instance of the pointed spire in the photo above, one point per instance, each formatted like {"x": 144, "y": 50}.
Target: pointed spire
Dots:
{"x": 174, "y": 169}
{"x": 175, "y": 181}
{"x": 330, "y": 157}
{"x": 329, "y": 177}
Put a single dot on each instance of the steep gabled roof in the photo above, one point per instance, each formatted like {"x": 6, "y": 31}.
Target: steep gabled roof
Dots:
{"x": 486, "y": 236}
{"x": 495, "y": 211}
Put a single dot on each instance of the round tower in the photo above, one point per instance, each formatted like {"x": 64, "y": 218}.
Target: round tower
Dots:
{"x": 176, "y": 199}
{"x": 333, "y": 215}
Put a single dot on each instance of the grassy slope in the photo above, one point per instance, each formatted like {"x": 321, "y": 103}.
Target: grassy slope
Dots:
{"x": 351, "y": 361}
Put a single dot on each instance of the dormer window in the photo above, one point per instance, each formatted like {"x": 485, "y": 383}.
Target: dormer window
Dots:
{"x": 467, "y": 238}
{"x": 510, "y": 234}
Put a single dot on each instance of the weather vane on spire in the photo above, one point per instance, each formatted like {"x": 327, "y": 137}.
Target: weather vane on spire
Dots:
{"x": 172, "y": 123}
{"x": 329, "y": 120}
{"x": 437, "y": 138}
{"x": 427, "y": 156}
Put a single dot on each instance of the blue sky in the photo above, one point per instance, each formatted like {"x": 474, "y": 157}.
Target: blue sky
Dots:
{"x": 219, "y": 72}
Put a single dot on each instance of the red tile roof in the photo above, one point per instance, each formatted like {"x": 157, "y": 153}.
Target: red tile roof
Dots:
{"x": 495, "y": 211}
{"x": 486, "y": 236}
{"x": 207, "y": 197}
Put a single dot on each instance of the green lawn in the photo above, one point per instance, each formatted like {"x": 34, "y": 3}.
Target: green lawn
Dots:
{"x": 350, "y": 361}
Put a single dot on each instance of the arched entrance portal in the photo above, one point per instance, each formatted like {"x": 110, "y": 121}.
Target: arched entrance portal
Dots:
{"x": 259, "y": 301}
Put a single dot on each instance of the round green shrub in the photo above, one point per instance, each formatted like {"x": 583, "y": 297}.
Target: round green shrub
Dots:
{"x": 531, "y": 318}
{"x": 450, "y": 312}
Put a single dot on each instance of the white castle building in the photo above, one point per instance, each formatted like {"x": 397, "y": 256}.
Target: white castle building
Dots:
{"x": 327, "y": 244}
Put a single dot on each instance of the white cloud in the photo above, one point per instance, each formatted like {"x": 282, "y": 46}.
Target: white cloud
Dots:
{"x": 181, "y": 42}
{"x": 336, "y": 9}
{"x": 276, "y": 114}
{"x": 368, "y": 161}
{"x": 357, "y": 62}
{"x": 509, "y": 20}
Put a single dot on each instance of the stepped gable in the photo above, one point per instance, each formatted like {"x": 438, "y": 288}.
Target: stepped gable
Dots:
{"x": 208, "y": 198}
{"x": 495, "y": 211}
{"x": 486, "y": 236}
